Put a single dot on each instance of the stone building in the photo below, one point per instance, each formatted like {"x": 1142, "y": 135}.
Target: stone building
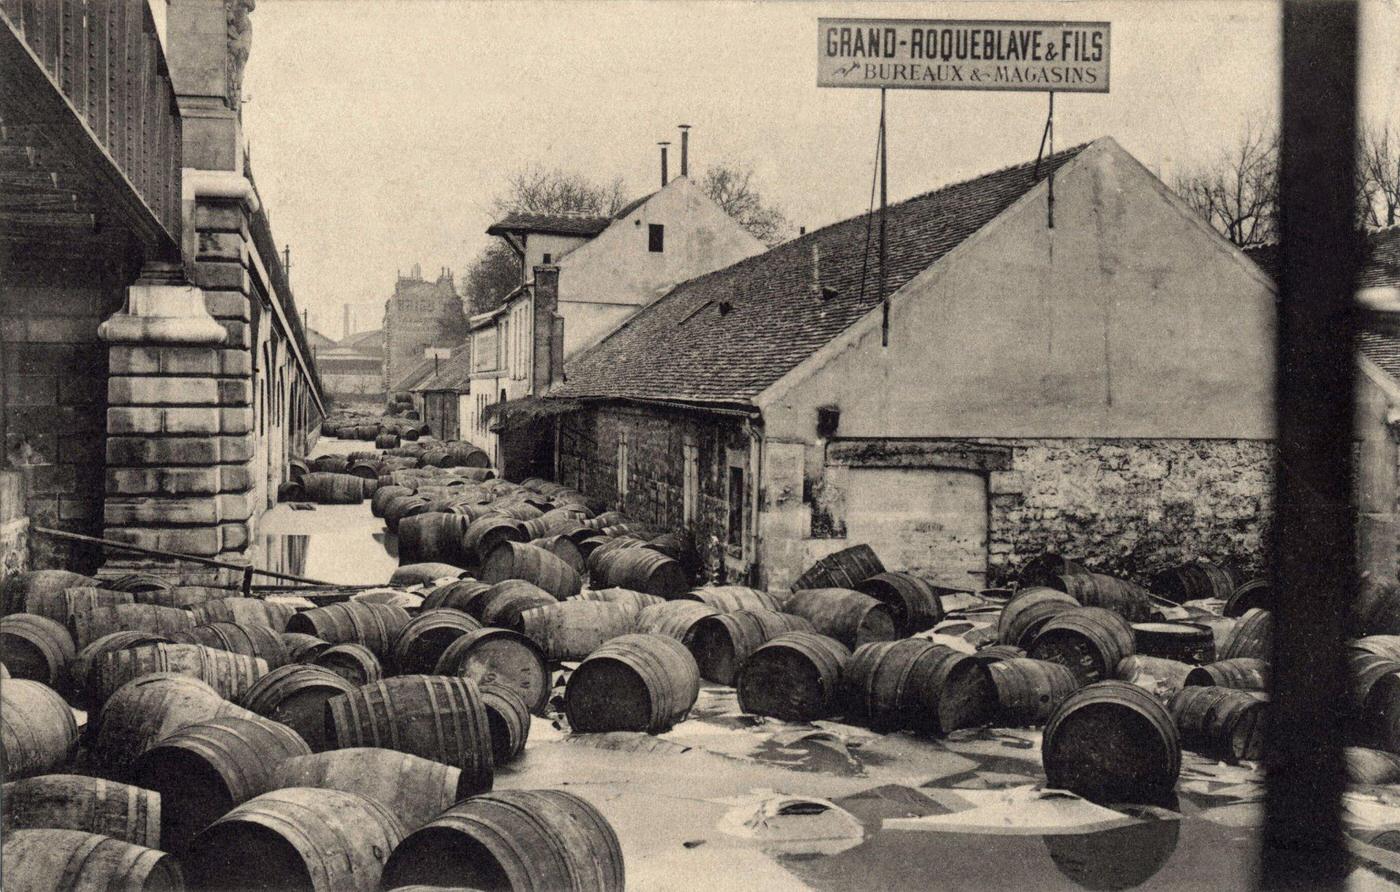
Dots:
{"x": 1069, "y": 358}
{"x": 352, "y": 371}
{"x": 420, "y": 315}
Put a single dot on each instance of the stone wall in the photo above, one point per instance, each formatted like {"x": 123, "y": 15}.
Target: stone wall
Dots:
{"x": 14, "y": 525}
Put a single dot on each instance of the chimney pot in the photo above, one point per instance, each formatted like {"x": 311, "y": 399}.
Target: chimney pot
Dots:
{"x": 664, "y": 172}
{"x": 685, "y": 150}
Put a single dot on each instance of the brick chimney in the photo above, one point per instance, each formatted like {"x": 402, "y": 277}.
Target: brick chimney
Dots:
{"x": 546, "y": 369}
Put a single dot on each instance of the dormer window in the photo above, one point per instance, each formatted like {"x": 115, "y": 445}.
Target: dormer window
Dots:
{"x": 656, "y": 238}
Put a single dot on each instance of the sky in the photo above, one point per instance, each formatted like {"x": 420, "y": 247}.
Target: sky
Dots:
{"x": 380, "y": 132}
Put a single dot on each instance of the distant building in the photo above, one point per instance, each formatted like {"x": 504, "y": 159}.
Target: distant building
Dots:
{"x": 419, "y": 316}
{"x": 355, "y": 366}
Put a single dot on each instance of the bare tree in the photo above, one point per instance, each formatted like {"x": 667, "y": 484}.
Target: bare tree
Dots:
{"x": 731, "y": 186}
{"x": 1238, "y": 193}
{"x": 1378, "y": 177}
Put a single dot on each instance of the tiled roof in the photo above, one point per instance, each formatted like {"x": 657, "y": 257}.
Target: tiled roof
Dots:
{"x": 555, "y": 224}
{"x": 688, "y": 347}
{"x": 453, "y": 373}
{"x": 406, "y": 382}
{"x": 1381, "y": 266}
{"x": 1383, "y": 349}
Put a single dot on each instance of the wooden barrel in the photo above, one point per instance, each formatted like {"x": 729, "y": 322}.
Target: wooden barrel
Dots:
{"x": 722, "y": 642}
{"x": 424, "y": 574}
{"x": 503, "y": 606}
{"x": 421, "y": 643}
{"x": 432, "y": 716}
{"x": 1047, "y": 569}
{"x": 1091, "y": 641}
{"x": 228, "y": 673}
{"x": 914, "y": 601}
{"x": 380, "y": 500}
{"x": 296, "y": 838}
{"x": 296, "y": 696}
{"x": 842, "y": 569}
{"x": 846, "y": 615}
{"x": 509, "y": 719}
{"x": 355, "y": 663}
{"x": 415, "y": 789}
{"x": 875, "y": 685}
{"x": 71, "y": 859}
{"x": 517, "y": 560}
{"x": 795, "y": 677}
{"x": 1251, "y": 636}
{"x": 1112, "y": 742}
{"x": 638, "y": 600}
{"x": 434, "y": 537}
{"x": 329, "y": 464}
{"x": 244, "y": 611}
{"x": 184, "y": 596}
{"x": 1030, "y": 609}
{"x": 18, "y": 588}
{"x": 1368, "y": 766}
{"x": 1257, "y": 592}
{"x": 90, "y": 624}
{"x": 86, "y": 659}
{"x": 1182, "y": 641}
{"x": 1220, "y": 722}
{"x": 949, "y": 690}
{"x": 729, "y": 598}
{"x": 143, "y": 711}
{"x": 61, "y": 604}
{"x": 399, "y": 508}
{"x": 500, "y": 657}
{"x": 485, "y": 533}
{"x": 302, "y": 648}
{"x": 1028, "y": 691}
{"x": 37, "y": 648}
{"x": 674, "y": 619}
{"x": 203, "y": 770}
{"x": 386, "y": 440}
{"x": 251, "y": 641}
{"x": 1241, "y": 673}
{"x": 643, "y": 570}
{"x": 333, "y": 489}
{"x": 562, "y": 547}
{"x": 139, "y": 582}
{"x": 376, "y": 626}
{"x": 997, "y": 652}
{"x": 513, "y": 839}
{"x": 457, "y": 595}
{"x": 633, "y": 683}
{"x": 1196, "y": 581}
{"x": 572, "y": 630}
{"x": 1387, "y": 646}
{"x": 1127, "y": 599}
{"x": 90, "y": 804}
{"x": 37, "y": 729}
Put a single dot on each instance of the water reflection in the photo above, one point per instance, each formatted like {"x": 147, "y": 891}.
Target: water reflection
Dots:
{"x": 1116, "y": 859}
{"x": 342, "y": 544}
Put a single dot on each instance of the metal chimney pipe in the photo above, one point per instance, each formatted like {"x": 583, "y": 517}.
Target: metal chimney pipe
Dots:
{"x": 664, "y": 172}
{"x": 347, "y": 322}
{"x": 685, "y": 149}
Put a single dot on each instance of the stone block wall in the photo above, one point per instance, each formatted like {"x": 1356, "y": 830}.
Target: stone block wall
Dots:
{"x": 14, "y": 525}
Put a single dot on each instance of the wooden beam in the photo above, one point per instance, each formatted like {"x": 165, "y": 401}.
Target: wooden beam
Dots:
{"x": 882, "y": 452}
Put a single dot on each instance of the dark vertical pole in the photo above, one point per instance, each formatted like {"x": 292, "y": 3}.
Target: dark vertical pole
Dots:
{"x": 1050, "y": 186}
{"x": 1314, "y": 539}
{"x": 884, "y": 200}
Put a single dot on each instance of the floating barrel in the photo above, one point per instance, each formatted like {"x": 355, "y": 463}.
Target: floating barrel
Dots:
{"x": 143, "y": 711}
{"x": 513, "y": 839}
{"x": 998, "y": 652}
{"x": 90, "y": 804}
{"x": 507, "y": 601}
{"x": 1129, "y": 600}
{"x": 948, "y": 690}
{"x": 1250, "y": 636}
{"x": 51, "y": 859}
{"x": 329, "y": 464}
{"x": 376, "y": 626}
{"x": 847, "y": 568}
{"x": 1185, "y": 642}
{"x": 1028, "y": 691}
{"x": 647, "y": 571}
{"x": 296, "y": 838}
{"x": 355, "y": 663}
{"x": 1112, "y": 742}
{"x": 37, "y": 648}
{"x": 424, "y": 574}
{"x": 509, "y": 719}
{"x": 485, "y": 533}
{"x": 1160, "y": 677}
{"x": 59, "y": 605}
{"x": 674, "y": 619}
{"x": 244, "y": 611}
{"x": 251, "y": 641}
{"x": 729, "y": 598}
{"x": 912, "y": 599}
{"x": 1196, "y": 581}
{"x": 1368, "y": 766}
{"x": 386, "y": 440}
{"x": 415, "y": 789}
{"x": 1047, "y": 570}
{"x": 333, "y": 489}
{"x": 795, "y": 677}
{"x": 1221, "y": 722}
{"x": 1387, "y": 646}
{"x": 139, "y": 582}
{"x": 516, "y": 560}
{"x": 633, "y": 683}
{"x": 20, "y": 587}
{"x": 399, "y": 508}
{"x": 380, "y": 500}
{"x": 846, "y": 615}
{"x": 89, "y": 625}
{"x": 297, "y": 468}
{"x": 1030, "y": 609}
{"x": 877, "y": 684}
{"x": 184, "y": 596}
{"x": 302, "y": 648}
{"x": 37, "y": 729}
{"x": 203, "y": 770}
{"x": 722, "y": 642}
{"x": 229, "y": 674}
{"x": 625, "y": 596}
{"x": 457, "y": 595}
{"x": 500, "y": 657}
{"x": 1091, "y": 641}
{"x": 434, "y": 537}
{"x": 1241, "y": 673}
{"x": 296, "y": 696}
{"x": 421, "y": 643}
{"x": 563, "y": 547}
{"x": 572, "y": 630}
{"x": 432, "y": 716}
{"x": 1257, "y": 592}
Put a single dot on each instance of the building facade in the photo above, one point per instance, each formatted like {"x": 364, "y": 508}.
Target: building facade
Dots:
{"x": 420, "y": 315}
